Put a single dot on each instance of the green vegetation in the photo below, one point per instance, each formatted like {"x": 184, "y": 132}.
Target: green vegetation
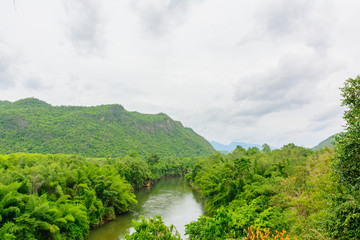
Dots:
{"x": 344, "y": 214}
{"x": 153, "y": 229}
{"x": 293, "y": 190}
{"x": 347, "y": 164}
{"x": 33, "y": 126}
{"x": 62, "y": 196}
{"x": 57, "y": 196}
{"x": 4, "y": 102}
{"x": 285, "y": 189}
{"x": 250, "y": 188}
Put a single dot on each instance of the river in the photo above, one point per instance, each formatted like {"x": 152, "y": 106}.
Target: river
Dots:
{"x": 171, "y": 198}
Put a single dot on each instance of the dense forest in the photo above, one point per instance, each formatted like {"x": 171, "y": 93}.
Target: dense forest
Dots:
{"x": 33, "y": 126}
{"x": 259, "y": 190}
{"x": 287, "y": 193}
{"x": 47, "y": 196}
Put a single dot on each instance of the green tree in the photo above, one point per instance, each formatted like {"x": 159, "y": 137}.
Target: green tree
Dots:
{"x": 266, "y": 148}
{"x": 153, "y": 229}
{"x": 347, "y": 165}
{"x": 153, "y": 159}
{"x": 344, "y": 215}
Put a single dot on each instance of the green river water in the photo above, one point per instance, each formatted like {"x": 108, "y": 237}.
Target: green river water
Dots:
{"x": 171, "y": 198}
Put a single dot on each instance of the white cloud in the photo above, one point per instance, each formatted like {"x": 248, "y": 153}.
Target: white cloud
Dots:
{"x": 9, "y": 62}
{"x": 232, "y": 70}
{"x": 6, "y": 77}
{"x": 84, "y": 26}
{"x": 159, "y": 16}
{"x": 290, "y": 85}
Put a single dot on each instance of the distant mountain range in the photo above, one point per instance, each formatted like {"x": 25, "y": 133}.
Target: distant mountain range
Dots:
{"x": 34, "y": 126}
{"x": 230, "y": 147}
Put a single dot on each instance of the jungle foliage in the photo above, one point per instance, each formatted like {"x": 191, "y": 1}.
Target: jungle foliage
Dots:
{"x": 33, "y": 126}
{"x": 288, "y": 190}
{"x": 283, "y": 189}
{"x": 62, "y": 196}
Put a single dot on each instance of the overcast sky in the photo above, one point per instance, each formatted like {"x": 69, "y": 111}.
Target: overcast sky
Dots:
{"x": 252, "y": 71}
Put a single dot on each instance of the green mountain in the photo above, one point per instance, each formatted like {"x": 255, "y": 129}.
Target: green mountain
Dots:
{"x": 34, "y": 126}
{"x": 4, "y": 102}
{"x": 327, "y": 142}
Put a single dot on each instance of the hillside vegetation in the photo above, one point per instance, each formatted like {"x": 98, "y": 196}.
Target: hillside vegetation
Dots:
{"x": 33, "y": 126}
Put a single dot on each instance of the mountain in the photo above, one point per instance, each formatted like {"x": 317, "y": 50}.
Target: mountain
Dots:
{"x": 229, "y": 148}
{"x": 34, "y": 126}
{"x": 327, "y": 142}
{"x": 4, "y": 102}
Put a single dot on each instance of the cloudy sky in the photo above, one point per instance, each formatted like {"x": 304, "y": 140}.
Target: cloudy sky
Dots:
{"x": 253, "y": 71}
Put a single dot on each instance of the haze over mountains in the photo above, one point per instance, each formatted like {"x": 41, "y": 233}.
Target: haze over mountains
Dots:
{"x": 34, "y": 126}
{"x": 230, "y": 147}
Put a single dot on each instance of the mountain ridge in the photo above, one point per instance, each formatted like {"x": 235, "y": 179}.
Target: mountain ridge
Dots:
{"x": 34, "y": 126}
{"x": 327, "y": 142}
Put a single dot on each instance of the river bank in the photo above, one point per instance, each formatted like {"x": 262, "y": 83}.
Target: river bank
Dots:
{"x": 171, "y": 198}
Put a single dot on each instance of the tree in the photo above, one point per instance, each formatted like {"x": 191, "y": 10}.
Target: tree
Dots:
{"x": 153, "y": 159}
{"x": 347, "y": 165}
{"x": 344, "y": 215}
{"x": 153, "y": 229}
{"x": 266, "y": 148}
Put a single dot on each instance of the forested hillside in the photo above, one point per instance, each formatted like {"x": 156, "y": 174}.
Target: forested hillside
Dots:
{"x": 33, "y": 126}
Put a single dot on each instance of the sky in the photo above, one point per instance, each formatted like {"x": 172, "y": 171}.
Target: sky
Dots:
{"x": 251, "y": 71}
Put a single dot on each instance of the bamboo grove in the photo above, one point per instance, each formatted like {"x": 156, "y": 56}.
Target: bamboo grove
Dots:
{"x": 45, "y": 196}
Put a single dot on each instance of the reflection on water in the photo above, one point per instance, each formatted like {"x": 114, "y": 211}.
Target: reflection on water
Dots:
{"x": 171, "y": 198}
